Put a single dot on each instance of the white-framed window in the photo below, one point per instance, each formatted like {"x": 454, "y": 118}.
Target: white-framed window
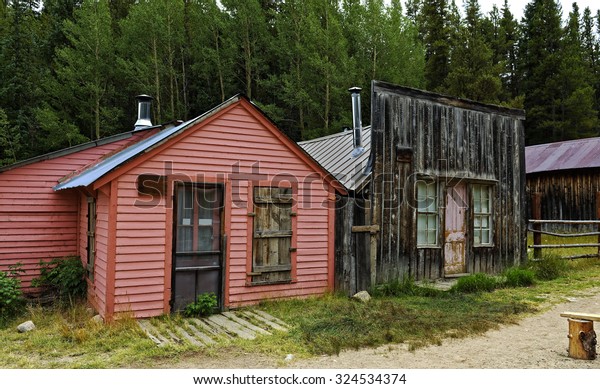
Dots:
{"x": 482, "y": 215}
{"x": 427, "y": 213}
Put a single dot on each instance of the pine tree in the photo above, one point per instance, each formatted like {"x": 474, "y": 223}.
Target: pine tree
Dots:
{"x": 248, "y": 29}
{"x": 434, "y": 29}
{"x": 510, "y": 35}
{"x": 151, "y": 48}
{"x": 542, "y": 62}
{"x": 10, "y": 141}
{"x": 22, "y": 71}
{"x": 579, "y": 118}
{"x": 84, "y": 73}
{"x": 473, "y": 73}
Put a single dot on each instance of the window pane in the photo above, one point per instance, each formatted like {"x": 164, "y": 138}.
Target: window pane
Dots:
{"x": 485, "y": 236}
{"x": 431, "y": 238}
{"x": 184, "y": 239}
{"x": 477, "y": 236}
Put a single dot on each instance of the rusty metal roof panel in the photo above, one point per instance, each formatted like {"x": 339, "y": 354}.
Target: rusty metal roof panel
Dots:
{"x": 334, "y": 153}
{"x": 572, "y": 154}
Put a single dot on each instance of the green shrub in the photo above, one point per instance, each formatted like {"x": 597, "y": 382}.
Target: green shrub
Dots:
{"x": 550, "y": 267}
{"x": 203, "y": 306}
{"x": 65, "y": 276}
{"x": 11, "y": 297}
{"x": 473, "y": 283}
{"x": 517, "y": 277}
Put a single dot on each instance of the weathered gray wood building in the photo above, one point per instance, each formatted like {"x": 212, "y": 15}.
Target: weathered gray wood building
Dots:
{"x": 567, "y": 177}
{"x": 448, "y": 185}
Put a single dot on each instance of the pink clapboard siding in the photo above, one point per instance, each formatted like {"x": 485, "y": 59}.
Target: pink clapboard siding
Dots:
{"x": 231, "y": 142}
{"x": 37, "y": 223}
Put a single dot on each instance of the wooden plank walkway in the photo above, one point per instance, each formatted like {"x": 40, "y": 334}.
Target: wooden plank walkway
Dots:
{"x": 200, "y": 332}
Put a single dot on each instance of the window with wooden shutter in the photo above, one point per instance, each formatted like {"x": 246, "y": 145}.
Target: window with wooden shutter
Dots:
{"x": 272, "y": 236}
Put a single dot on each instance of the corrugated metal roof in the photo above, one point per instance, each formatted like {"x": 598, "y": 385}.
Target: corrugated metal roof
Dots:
{"x": 105, "y": 166}
{"x": 572, "y": 154}
{"x": 334, "y": 153}
{"x": 74, "y": 149}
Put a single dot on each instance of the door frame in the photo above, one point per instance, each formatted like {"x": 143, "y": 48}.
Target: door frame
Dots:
{"x": 174, "y": 184}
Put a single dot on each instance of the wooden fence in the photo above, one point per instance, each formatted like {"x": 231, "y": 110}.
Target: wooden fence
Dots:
{"x": 536, "y": 227}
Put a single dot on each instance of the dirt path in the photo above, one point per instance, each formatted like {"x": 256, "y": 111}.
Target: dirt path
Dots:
{"x": 538, "y": 341}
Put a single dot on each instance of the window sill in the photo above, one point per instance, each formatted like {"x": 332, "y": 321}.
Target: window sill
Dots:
{"x": 261, "y": 283}
{"x": 428, "y": 246}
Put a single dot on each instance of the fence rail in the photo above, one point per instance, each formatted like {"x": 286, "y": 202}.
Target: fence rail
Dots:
{"x": 536, "y": 223}
{"x": 535, "y": 226}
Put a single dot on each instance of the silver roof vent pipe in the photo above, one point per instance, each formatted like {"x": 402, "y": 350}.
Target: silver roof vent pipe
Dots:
{"x": 144, "y": 103}
{"x": 356, "y": 122}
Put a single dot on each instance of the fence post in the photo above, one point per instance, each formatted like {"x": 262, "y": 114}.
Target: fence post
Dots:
{"x": 598, "y": 218}
{"x": 536, "y": 213}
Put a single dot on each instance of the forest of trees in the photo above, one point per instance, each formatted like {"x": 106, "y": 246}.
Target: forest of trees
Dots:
{"x": 70, "y": 69}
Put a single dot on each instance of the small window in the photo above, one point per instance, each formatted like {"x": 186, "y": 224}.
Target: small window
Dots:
{"x": 272, "y": 235}
{"x": 482, "y": 215}
{"x": 91, "y": 236}
{"x": 427, "y": 214}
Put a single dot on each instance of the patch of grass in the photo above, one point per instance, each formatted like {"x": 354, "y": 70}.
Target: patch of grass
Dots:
{"x": 549, "y": 267}
{"x": 404, "y": 287}
{"x": 478, "y": 282}
{"x": 403, "y": 313}
{"x": 515, "y": 277}
{"x": 66, "y": 337}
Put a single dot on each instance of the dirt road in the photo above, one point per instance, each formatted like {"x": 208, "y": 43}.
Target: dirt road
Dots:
{"x": 538, "y": 342}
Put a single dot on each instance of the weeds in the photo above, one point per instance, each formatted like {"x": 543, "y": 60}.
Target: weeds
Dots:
{"x": 11, "y": 297}
{"x": 64, "y": 276}
{"x": 550, "y": 267}
{"x": 403, "y": 287}
{"x": 515, "y": 277}
{"x": 474, "y": 283}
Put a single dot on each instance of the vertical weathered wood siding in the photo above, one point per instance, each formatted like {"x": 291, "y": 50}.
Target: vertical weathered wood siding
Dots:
{"x": 418, "y": 134}
{"x": 37, "y": 223}
{"x": 234, "y": 150}
{"x": 566, "y": 194}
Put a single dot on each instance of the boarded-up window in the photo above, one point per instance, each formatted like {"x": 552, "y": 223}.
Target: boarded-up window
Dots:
{"x": 91, "y": 237}
{"x": 482, "y": 215}
{"x": 427, "y": 213}
{"x": 271, "y": 245}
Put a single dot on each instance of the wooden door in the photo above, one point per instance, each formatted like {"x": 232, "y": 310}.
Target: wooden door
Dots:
{"x": 197, "y": 264}
{"x": 455, "y": 236}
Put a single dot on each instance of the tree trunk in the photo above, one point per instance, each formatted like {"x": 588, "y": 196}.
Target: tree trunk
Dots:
{"x": 582, "y": 339}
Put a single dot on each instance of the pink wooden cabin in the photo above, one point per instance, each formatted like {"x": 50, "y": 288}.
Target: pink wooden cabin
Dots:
{"x": 223, "y": 203}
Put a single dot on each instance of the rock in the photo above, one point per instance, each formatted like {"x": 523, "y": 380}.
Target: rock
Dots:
{"x": 289, "y": 357}
{"x": 97, "y": 319}
{"x": 26, "y": 327}
{"x": 363, "y": 296}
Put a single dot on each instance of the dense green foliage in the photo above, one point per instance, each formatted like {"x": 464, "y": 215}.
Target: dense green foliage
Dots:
{"x": 204, "y": 305}
{"x": 64, "y": 276}
{"x": 517, "y": 277}
{"x": 478, "y": 282}
{"x": 11, "y": 297}
{"x": 69, "y": 69}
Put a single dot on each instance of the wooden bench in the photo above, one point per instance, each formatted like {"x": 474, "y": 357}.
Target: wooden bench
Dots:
{"x": 582, "y": 337}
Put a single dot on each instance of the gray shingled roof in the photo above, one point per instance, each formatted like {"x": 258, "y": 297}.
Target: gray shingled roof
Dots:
{"x": 572, "y": 154}
{"x": 333, "y": 152}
